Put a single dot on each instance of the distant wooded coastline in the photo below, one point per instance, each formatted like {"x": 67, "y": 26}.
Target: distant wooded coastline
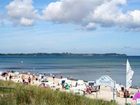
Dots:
{"x": 64, "y": 54}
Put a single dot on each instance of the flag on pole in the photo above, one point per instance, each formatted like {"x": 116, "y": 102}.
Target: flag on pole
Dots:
{"x": 129, "y": 75}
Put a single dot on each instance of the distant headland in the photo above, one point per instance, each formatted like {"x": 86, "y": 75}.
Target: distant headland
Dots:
{"x": 62, "y": 54}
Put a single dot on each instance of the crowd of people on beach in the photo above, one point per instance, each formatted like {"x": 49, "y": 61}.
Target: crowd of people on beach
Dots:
{"x": 59, "y": 83}
{"x": 50, "y": 81}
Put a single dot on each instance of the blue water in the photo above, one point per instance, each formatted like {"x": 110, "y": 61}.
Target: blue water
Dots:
{"x": 78, "y": 67}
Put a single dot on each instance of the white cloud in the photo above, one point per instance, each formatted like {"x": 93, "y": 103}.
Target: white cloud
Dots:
{"x": 26, "y": 21}
{"x": 89, "y": 13}
{"x": 135, "y": 17}
{"x": 21, "y": 12}
{"x": 89, "y": 26}
{"x": 109, "y": 14}
{"x": 2, "y": 19}
{"x": 86, "y": 13}
{"x": 73, "y": 11}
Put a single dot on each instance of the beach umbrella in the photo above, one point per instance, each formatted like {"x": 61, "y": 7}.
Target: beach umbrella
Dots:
{"x": 136, "y": 96}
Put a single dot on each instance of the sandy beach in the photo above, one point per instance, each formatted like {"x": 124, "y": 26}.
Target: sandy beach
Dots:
{"x": 104, "y": 93}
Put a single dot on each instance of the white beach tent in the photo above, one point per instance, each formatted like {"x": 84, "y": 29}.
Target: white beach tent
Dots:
{"x": 106, "y": 81}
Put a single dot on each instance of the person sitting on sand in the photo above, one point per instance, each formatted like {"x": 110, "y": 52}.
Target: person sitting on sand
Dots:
{"x": 10, "y": 77}
{"x": 23, "y": 80}
{"x": 29, "y": 80}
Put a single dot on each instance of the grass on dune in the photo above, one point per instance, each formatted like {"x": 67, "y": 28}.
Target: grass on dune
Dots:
{"x": 32, "y": 95}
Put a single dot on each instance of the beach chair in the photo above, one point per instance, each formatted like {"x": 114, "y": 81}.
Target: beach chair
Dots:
{"x": 88, "y": 90}
{"x": 67, "y": 86}
{"x": 78, "y": 91}
{"x": 126, "y": 94}
{"x": 120, "y": 94}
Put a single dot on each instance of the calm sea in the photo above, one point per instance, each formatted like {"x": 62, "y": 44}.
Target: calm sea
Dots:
{"x": 78, "y": 67}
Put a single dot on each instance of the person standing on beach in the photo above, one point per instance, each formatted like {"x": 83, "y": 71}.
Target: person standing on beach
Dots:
{"x": 10, "y": 77}
{"x": 53, "y": 77}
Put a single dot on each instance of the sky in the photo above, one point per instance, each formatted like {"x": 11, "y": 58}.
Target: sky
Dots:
{"x": 75, "y": 26}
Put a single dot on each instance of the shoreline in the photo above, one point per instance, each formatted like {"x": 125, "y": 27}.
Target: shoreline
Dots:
{"x": 58, "y": 75}
{"x": 85, "y": 68}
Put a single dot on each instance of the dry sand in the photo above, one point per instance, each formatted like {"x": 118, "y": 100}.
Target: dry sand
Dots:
{"x": 105, "y": 93}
